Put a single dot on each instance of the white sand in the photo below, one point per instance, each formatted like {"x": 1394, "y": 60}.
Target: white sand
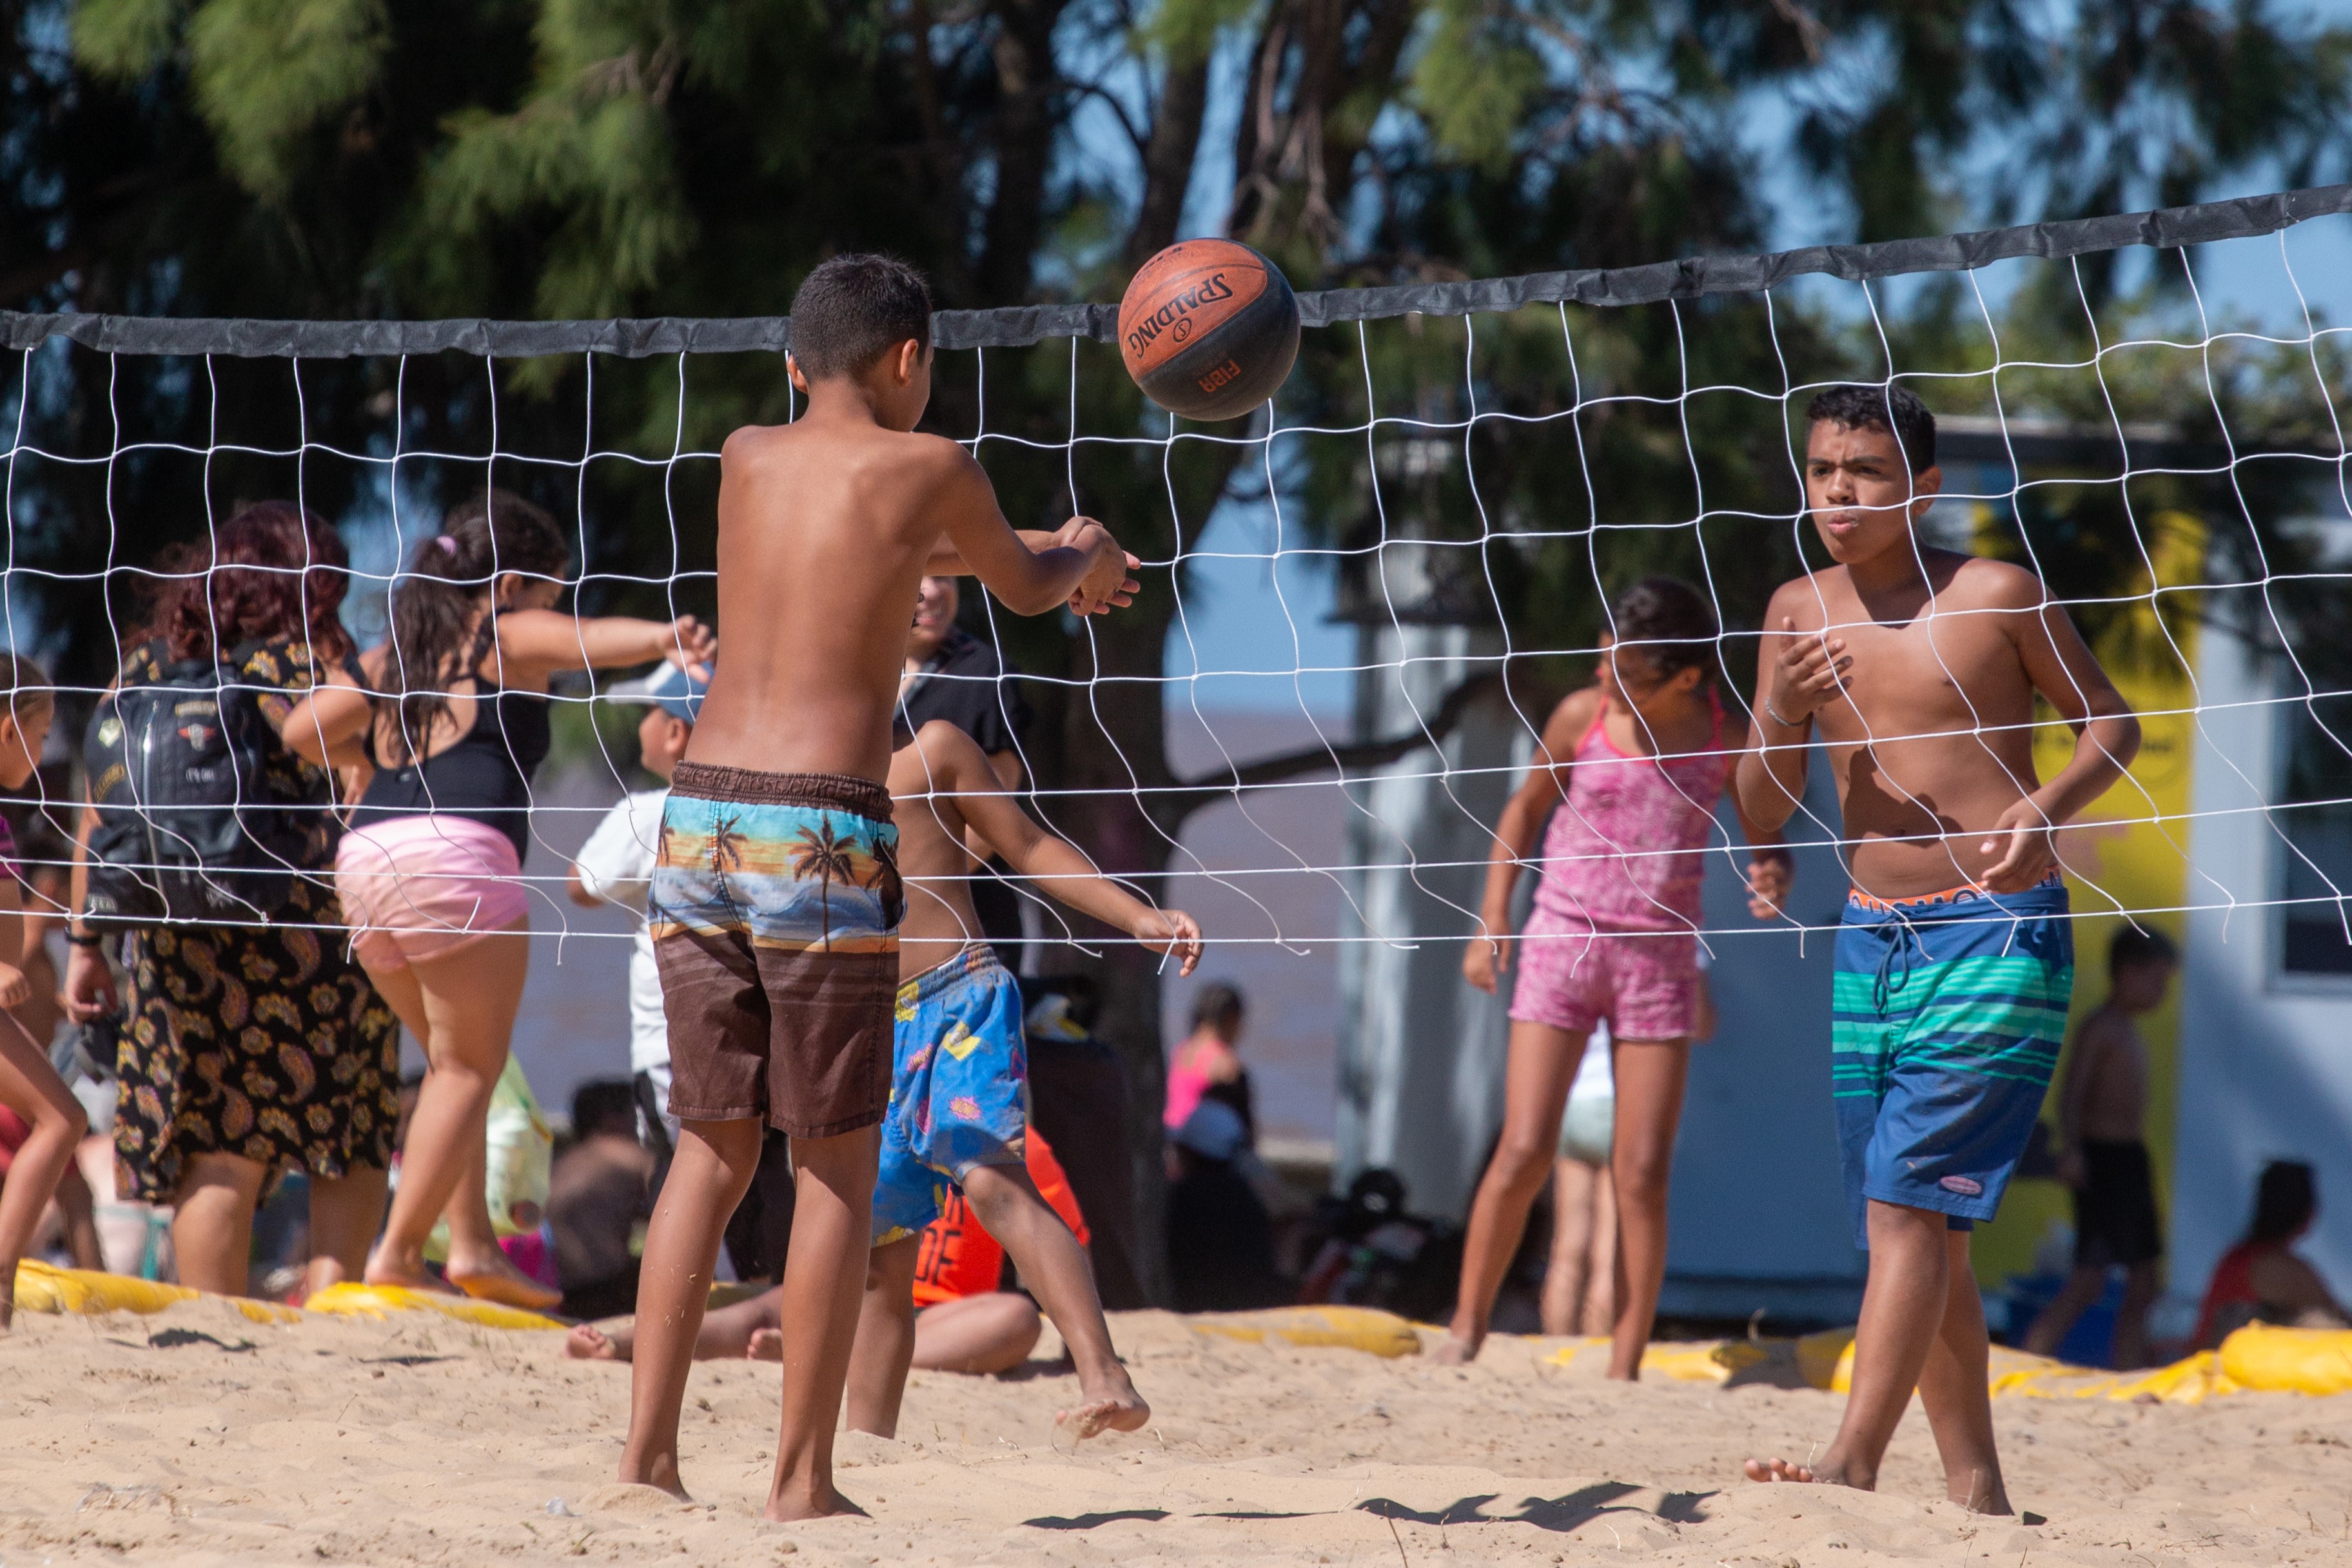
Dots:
{"x": 197, "y": 1437}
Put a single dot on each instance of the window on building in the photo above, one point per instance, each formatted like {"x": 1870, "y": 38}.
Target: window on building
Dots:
{"x": 2317, "y": 822}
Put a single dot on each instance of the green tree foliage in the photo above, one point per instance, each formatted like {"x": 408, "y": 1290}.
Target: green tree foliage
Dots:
{"x": 340, "y": 158}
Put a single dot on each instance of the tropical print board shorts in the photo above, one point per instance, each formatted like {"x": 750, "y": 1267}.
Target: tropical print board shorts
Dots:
{"x": 774, "y": 913}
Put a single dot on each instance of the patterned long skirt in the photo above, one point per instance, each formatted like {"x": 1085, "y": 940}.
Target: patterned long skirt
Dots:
{"x": 264, "y": 1042}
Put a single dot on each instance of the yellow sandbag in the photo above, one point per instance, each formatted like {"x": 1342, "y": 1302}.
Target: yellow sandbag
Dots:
{"x": 2015, "y": 1373}
{"x": 1364, "y": 1329}
{"x": 2289, "y": 1361}
{"x": 351, "y": 1299}
{"x": 1703, "y": 1363}
{"x": 1823, "y": 1359}
{"x": 89, "y": 1292}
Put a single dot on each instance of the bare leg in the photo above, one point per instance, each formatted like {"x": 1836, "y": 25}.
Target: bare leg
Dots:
{"x": 979, "y": 1334}
{"x": 2131, "y": 1318}
{"x": 884, "y": 1346}
{"x": 78, "y": 1206}
{"x": 2083, "y": 1289}
{"x": 212, "y": 1222}
{"x": 708, "y": 1178}
{"x": 1542, "y": 1064}
{"x": 460, "y": 1005}
{"x": 1953, "y": 1390}
{"x": 1650, "y": 1078}
{"x": 1572, "y": 1219}
{"x": 824, "y": 1275}
{"x": 345, "y": 1211}
{"x": 1901, "y": 1314}
{"x": 727, "y": 1334}
{"x": 31, "y": 1088}
{"x": 477, "y": 1264}
{"x": 1054, "y": 1268}
{"x": 1601, "y": 1268}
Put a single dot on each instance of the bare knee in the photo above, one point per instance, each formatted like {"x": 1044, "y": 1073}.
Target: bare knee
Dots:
{"x": 1642, "y": 1173}
{"x": 1523, "y": 1163}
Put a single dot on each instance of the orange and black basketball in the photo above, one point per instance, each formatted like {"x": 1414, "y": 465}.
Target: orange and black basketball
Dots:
{"x": 1209, "y": 329}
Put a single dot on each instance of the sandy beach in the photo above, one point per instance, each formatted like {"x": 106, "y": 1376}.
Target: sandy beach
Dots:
{"x": 196, "y": 1436}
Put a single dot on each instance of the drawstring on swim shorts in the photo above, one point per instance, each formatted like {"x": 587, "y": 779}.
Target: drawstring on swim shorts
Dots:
{"x": 1887, "y": 983}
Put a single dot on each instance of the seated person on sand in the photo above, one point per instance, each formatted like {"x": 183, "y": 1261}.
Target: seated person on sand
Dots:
{"x": 963, "y": 1321}
{"x": 2261, "y": 1280}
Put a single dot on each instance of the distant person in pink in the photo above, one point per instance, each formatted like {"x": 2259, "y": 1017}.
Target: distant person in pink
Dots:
{"x": 1628, "y": 774}
{"x": 1205, "y": 1065}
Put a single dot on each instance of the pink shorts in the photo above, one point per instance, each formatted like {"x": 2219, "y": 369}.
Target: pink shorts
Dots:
{"x": 417, "y": 887}
{"x": 1572, "y": 975}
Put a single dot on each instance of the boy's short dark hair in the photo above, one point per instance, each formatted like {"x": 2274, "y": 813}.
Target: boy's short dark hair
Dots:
{"x": 1893, "y": 409}
{"x": 1668, "y": 620}
{"x": 854, "y": 309}
{"x": 2136, "y": 947}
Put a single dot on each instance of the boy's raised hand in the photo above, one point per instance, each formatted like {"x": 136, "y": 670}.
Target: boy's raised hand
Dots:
{"x": 1107, "y": 585}
{"x": 1809, "y": 675}
{"x": 15, "y": 989}
{"x": 692, "y": 647}
{"x": 1173, "y": 932}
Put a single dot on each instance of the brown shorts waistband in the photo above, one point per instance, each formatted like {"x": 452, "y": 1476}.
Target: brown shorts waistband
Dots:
{"x": 750, "y": 787}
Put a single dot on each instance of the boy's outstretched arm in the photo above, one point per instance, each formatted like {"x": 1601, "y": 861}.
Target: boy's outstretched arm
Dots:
{"x": 1084, "y": 568}
{"x": 947, "y": 561}
{"x": 959, "y": 768}
{"x": 2106, "y": 734}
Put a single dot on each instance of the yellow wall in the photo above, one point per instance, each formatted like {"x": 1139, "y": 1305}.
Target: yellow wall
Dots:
{"x": 2129, "y": 849}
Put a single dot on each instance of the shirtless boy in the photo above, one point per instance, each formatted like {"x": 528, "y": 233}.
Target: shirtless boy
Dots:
{"x": 776, "y": 898}
{"x": 960, "y": 1099}
{"x": 1955, "y": 959}
{"x": 2102, "y": 1113}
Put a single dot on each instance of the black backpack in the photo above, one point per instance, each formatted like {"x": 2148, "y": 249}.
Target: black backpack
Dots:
{"x": 189, "y": 828}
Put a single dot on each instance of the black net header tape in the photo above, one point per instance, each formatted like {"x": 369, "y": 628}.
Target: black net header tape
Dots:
{"x": 1016, "y": 327}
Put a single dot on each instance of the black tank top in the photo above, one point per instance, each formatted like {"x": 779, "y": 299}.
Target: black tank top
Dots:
{"x": 485, "y": 777}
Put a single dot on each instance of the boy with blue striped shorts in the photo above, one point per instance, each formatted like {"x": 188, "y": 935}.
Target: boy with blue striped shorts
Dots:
{"x": 1921, "y": 669}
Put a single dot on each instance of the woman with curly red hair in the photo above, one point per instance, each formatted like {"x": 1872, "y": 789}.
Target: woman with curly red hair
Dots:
{"x": 250, "y": 1051}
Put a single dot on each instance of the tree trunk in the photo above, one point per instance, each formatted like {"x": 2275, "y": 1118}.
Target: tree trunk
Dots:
{"x": 1113, "y": 741}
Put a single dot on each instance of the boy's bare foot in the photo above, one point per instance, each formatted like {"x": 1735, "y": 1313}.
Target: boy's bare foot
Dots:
{"x": 587, "y": 1341}
{"x": 660, "y": 1472}
{"x": 1787, "y": 1471}
{"x": 1972, "y": 1492}
{"x": 1115, "y": 1412}
{"x": 765, "y": 1345}
{"x": 790, "y": 1507}
{"x": 1453, "y": 1351}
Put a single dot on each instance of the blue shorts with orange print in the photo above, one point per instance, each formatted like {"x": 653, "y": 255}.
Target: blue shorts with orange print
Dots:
{"x": 959, "y": 1090}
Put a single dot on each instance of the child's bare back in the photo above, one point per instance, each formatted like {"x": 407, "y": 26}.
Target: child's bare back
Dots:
{"x": 826, "y": 527}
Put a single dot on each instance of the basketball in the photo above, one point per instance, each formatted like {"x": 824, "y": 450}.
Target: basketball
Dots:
{"x": 1209, "y": 328}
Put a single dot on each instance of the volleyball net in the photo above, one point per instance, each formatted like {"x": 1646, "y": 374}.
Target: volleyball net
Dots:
{"x": 1361, "y": 604}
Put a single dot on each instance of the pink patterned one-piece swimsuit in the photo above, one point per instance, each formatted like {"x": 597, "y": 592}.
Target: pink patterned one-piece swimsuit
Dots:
{"x": 1620, "y": 856}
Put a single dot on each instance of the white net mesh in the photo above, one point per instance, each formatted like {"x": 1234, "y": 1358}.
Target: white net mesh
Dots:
{"x": 1373, "y": 596}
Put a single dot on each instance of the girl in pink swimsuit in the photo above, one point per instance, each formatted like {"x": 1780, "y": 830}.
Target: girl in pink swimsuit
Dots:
{"x": 1628, "y": 773}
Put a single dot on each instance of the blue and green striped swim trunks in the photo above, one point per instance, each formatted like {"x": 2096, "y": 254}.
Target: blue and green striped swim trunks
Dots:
{"x": 1945, "y": 1030}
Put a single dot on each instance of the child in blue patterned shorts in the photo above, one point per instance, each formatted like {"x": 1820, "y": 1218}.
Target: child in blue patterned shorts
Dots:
{"x": 960, "y": 1090}
{"x": 1955, "y": 957}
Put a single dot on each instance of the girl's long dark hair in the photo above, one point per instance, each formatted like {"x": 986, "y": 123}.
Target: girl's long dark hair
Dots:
{"x": 274, "y": 572}
{"x": 2285, "y": 1201}
{"x": 440, "y": 631}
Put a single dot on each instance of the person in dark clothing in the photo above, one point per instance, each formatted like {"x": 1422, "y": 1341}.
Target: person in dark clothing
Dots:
{"x": 596, "y": 1197}
{"x": 1219, "y": 1238}
{"x": 953, "y": 675}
